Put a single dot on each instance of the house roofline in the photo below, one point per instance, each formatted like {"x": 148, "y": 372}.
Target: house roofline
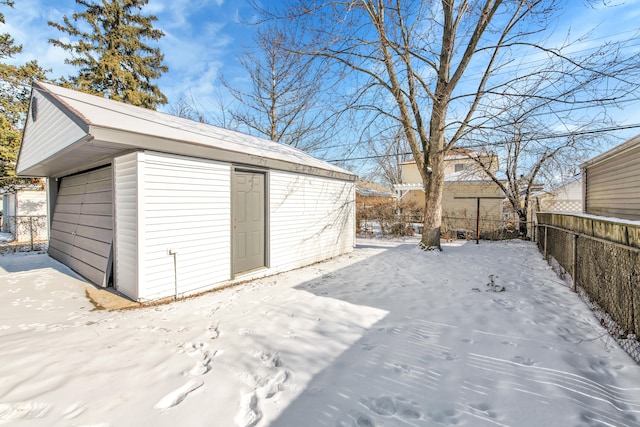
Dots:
{"x": 615, "y": 151}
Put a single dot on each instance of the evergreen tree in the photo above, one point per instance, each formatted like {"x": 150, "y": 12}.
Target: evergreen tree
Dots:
{"x": 112, "y": 57}
{"x": 15, "y": 91}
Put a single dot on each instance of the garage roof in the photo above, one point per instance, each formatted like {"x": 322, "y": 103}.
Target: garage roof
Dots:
{"x": 68, "y": 131}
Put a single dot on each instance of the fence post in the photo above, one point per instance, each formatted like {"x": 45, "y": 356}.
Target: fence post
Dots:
{"x": 574, "y": 273}
{"x": 545, "y": 241}
{"x": 31, "y": 230}
{"x": 478, "y": 221}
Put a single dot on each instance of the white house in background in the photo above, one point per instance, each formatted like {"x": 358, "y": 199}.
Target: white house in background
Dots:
{"x": 160, "y": 206}
{"x": 566, "y": 197}
{"x": 24, "y": 212}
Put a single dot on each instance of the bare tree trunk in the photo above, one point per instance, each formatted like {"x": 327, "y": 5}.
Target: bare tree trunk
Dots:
{"x": 522, "y": 226}
{"x": 434, "y": 185}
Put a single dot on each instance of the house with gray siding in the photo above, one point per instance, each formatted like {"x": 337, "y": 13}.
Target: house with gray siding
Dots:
{"x": 159, "y": 206}
{"x": 611, "y": 182}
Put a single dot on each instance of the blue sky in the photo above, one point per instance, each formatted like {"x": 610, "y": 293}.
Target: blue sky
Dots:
{"x": 204, "y": 37}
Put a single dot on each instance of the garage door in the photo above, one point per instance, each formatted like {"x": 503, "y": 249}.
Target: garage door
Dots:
{"x": 82, "y": 225}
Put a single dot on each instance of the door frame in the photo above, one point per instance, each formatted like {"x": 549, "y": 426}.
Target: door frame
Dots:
{"x": 267, "y": 241}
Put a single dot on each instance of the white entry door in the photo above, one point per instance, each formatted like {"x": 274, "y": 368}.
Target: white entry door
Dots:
{"x": 248, "y": 211}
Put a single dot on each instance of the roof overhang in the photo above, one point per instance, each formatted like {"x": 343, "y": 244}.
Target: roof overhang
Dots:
{"x": 615, "y": 151}
{"x": 99, "y": 130}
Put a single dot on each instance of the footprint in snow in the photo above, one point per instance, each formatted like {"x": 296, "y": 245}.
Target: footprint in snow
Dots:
{"x": 212, "y": 332}
{"x": 357, "y": 419}
{"x": 249, "y": 414}
{"x": 383, "y": 405}
{"x": 387, "y": 406}
{"x": 527, "y": 361}
{"x": 402, "y": 368}
{"x": 73, "y": 411}
{"x": 268, "y": 378}
{"x": 204, "y": 357}
{"x": 484, "y": 408}
{"x": 22, "y": 411}
{"x": 178, "y": 395}
{"x": 447, "y": 417}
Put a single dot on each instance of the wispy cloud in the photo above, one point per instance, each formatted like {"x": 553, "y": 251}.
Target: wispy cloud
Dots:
{"x": 202, "y": 37}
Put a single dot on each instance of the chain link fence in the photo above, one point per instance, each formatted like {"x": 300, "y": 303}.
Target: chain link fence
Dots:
{"x": 24, "y": 233}
{"x": 453, "y": 226}
{"x": 600, "y": 259}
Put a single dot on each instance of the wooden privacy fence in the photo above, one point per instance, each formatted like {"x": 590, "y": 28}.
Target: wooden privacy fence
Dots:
{"x": 600, "y": 256}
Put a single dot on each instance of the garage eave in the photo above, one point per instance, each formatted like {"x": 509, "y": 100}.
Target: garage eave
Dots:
{"x": 116, "y": 127}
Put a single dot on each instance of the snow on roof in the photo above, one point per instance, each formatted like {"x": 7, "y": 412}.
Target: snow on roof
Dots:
{"x": 98, "y": 112}
{"x": 374, "y": 193}
{"x": 469, "y": 176}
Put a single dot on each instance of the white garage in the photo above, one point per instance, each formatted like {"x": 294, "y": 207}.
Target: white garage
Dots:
{"x": 160, "y": 206}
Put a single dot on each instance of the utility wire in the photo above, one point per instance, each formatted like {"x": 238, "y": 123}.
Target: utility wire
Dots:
{"x": 565, "y": 135}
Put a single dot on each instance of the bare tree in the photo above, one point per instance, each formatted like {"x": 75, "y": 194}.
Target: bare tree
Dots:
{"x": 281, "y": 102}
{"x": 187, "y": 110}
{"x": 389, "y": 152}
{"x": 437, "y": 68}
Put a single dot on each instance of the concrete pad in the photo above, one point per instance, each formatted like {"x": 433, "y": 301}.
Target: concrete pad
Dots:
{"x": 108, "y": 298}
{"x": 37, "y": 283}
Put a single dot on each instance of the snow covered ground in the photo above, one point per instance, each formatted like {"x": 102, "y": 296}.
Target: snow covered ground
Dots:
{"x": 386, "y": 336}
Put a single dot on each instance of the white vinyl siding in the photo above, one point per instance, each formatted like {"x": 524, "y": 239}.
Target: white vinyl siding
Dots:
{"x": 613, "y": 186}
{"x": 186, "y": 205}
{"x": 54, "y": 127}
{"x": 126, "y": 224}
{"x": 311, "y": 219}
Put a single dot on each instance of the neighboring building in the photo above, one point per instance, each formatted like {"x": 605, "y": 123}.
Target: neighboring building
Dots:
{"x": 611, "y": 182}
{"x": 464, "y": 184}
{"x": 566, "y": 197}
{"x": 369, "y": 194}
{"x": 24, "y": 213}
{"x": 375, "y": 205}
{"x": 160, "y": 206}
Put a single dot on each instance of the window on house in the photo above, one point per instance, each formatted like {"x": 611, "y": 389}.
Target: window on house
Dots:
{"x": 460, "y": 167}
